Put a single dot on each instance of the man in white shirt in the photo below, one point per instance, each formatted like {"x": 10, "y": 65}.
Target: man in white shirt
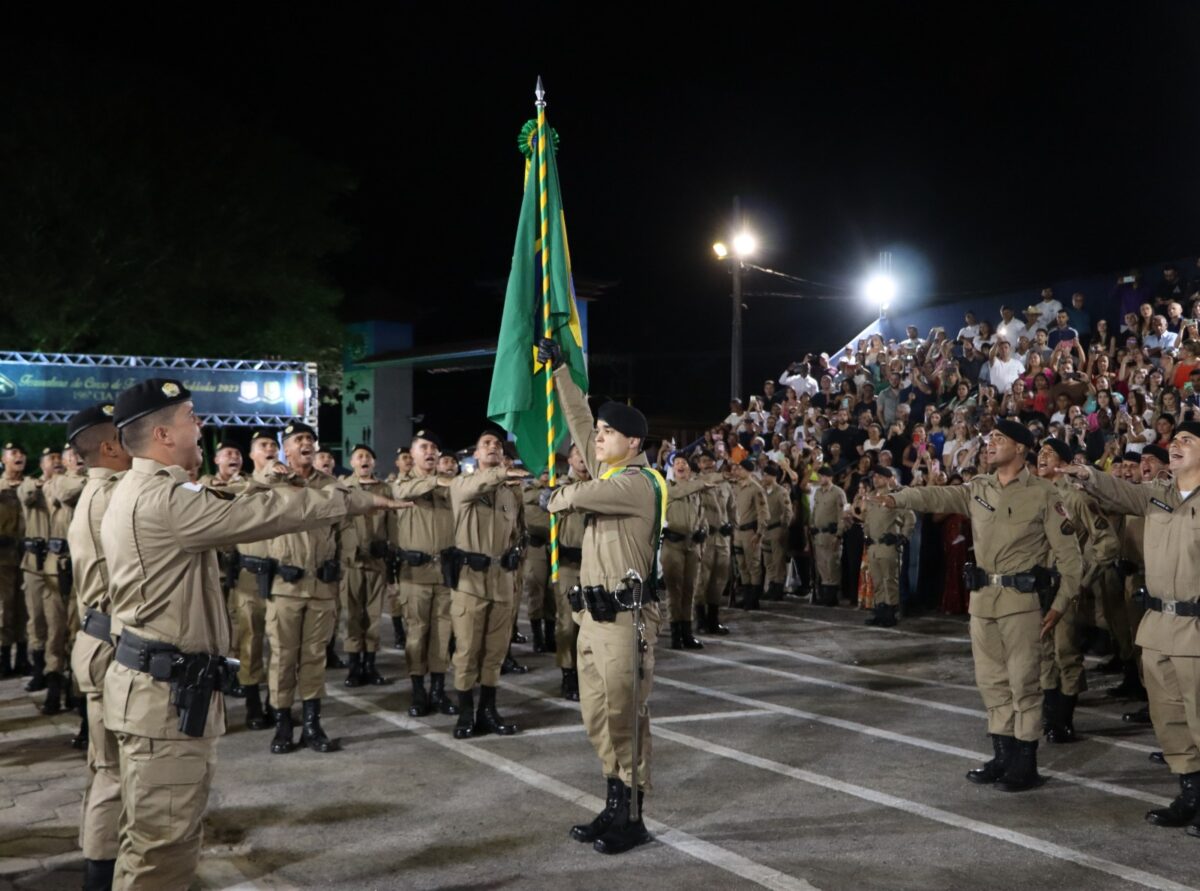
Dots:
{"x": 913, "y": 341}
{"x": 1010, "y": 328}
{"x": 1160, "y": 338}
{"x": 798, "y": 378}
{"x": 1004, "y": 367}
{"x": 1048, "y": 309}
{"x": 736, "y": 413}
{"x": 970, "y": 330}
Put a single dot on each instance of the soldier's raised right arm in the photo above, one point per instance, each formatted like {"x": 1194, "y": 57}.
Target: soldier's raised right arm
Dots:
{"x": 935, "y": 499}
{"x": 1117, "y": 495}
{"x": 404, "y": 490}
{"x": 469, "y": 487}
{"x": 579, "y": 417}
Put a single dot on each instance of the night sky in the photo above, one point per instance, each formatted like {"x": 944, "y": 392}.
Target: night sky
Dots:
{"x": 990, "y": 146}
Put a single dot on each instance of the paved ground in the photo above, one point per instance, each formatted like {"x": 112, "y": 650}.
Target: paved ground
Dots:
{"x": 805, "y": 751}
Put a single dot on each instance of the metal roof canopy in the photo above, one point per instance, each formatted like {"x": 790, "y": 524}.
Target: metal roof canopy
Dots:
{"x": 436, "y": 360}
{"x": 308, "y": 370}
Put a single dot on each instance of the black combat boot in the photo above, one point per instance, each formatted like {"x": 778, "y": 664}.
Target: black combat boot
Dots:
{"x": 688, "y": 638}
{"x": 311, "y": 734}
{"x": 551, "y": 640}
{"x": 98, "y": 875}
{"x": 890, "y": 619}
{"x": 332, "y": 659}
{"x": 751, "y": 597}
{"x": 398, "y": 630}
{"x": 1157, "y": 758}
{"x": 256, "y": 717}
{"x": 876, "y": 619}
{"x": 589, "y": 832}
{"x": 1021, "y": 773}
{"x": 21, "y": 666}
{"x": 282, "y": 743}
{"x": 570, "y": 684}
{"x": 700, "y": 613}
{"x": 511, "y": 665}
{"x": 1115, "y": 665}
{"x": 54, "y": 688}
{"x": 624, "y": 833}
{"x": 712, "y": 616}
{"x": 38, "y": 679}
{"x": 1184, "y": 808}
{"x": 992, "y": 770}
{"x": 676, "y": 635}
{"x": 70, "y": 700}
{"x": 80, "y": 739}
{"x": 539, "y": 639}
{"x": 1049, "y": 701}
{"x": 464, "y": 727}
{"x": 355, "y": 678}
{"x": 6, "y": 664}
{"x": 774, "y": 591}
{"x": 829, "y": 595}
{"x": 517, "y": 636}
{"x": 438, "y": 700}
{"x": 420, "y": 702}
{"x": 1062, "y": 730}
{"x": 487, "y": 719}
{"x": 1130, "y": 686}
{"x": 1138, "y": 716}
{"x": 370, "y": 674}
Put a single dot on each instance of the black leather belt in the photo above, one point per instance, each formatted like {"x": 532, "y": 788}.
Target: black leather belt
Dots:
{"x": 747, "y": 527}
{"x": 771, "y": 526}
{"x": 831, "y": 528}
{"x": 155, "y": 658}
{"x": 538, "y": 541}
{"x": 570, "y": 555}
{"x": 1026, "y": 582}
{"x": 97, "y": 625}
{"x": 602, "y": 603}
{"x": 1186, "y": 608}
{"x": 672, "y": 536}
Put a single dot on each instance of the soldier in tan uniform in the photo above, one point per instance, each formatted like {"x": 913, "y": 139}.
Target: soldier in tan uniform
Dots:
{"x": 571, "y": 526}
{"x": 1016, "y": 520}
{"x": 94, "y": 438}
{"x": 304, "y": 572}
{"x": 159, "y": 535}
{"x": 424, "y": 536}
{"x": 625, "y": 503}
{"x": 886, "y": 530}
{"x": 828, "y": 523}
{"x": 487, "y": 535}
{"x": 749, "y": 523}
{"x": 62, "y": 493}
{"x": 45, "y": 605}
{"x": 683, "y": 538}
{"x": 775, "y": 536}
{"x": 397, "y": 602}
{"x": 12, "y": 533}
{"x": 535, "y": 568}
{"x": 1109, "y": 585}
{"x": 1132, "y": 568}
{"x": 713, "y": 577}
{"x": 1169, "y": 633}
{"x": 365, "y": 547}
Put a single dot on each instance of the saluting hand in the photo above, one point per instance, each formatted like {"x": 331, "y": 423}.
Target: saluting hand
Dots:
{"x": 382, "y": 502}
{"x": 1079, "y": 471}
{"x": 1050, "y": 621}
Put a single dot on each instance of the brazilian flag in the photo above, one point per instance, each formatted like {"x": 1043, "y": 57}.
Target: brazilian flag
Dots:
{"x": 518, "y": 401}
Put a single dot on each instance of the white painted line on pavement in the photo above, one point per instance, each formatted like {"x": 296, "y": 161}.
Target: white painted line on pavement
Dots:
{"x": 714, "y": 855}
{"x": 866, "y": 629}
{"x": 673, "y": 719}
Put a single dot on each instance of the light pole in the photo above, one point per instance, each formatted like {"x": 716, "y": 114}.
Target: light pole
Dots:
{"x": 742, "y": 245}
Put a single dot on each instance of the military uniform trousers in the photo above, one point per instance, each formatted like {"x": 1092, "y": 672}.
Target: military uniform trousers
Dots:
{"x": 713, "y": 575}
{"x": 1062, "y": 660}
{"x": 1110, "y": 591}
{"x": 1007, "y": 657}
{"x": 299, "y": 628}
{"x": 427, "y": 618}
{"x": 46, "y": 628}
{"x": 1173, "y": 688}
{"x": 101, "y": 814}
{"x": 747, "y": 556}
{"x": 884, "y": 563}
{"x": 1134, "y": 611}
{"x": 164, "y": 788}
{"x": 681, "y": 567}
{"x": 827, "y": 555}
{"x": 606, "y": 691}
{"x": 482, "y": 630}
{"x": 535, "y": 584}
{"x": 251, "y": 611}
{"x": 775, "y": 555}
{"x": 13, "y": 615}
{"x": 362, "y": 591}
{"x": 566, "y": 632}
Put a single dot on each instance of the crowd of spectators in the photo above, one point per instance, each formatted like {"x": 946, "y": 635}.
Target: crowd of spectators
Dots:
{"x": 1109, "y": 385}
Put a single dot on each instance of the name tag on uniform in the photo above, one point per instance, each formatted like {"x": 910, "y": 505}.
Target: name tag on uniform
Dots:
{"x": 1162, "y": 505}
{"x": 192, "y": 487}
{"x": 985, "y": 504}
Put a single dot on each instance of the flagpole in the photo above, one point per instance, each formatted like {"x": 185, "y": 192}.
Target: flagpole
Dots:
{"x": 547, "y": 332}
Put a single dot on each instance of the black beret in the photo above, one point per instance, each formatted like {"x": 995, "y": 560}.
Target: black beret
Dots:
{"x": 1192, "y": 427}
{"x": 1060, "y": 448}
{"x": 1133, "y": 456}
{"x": 48, "y": 450}
{"x": 773, "y": 470}
{"x": 825, "y": 470}
{"x": 747, "y": 464}
{"x": 148, "y": 397}
{"x": 1153, "y": 451}
{"x": 88, "y": 418}
{"x": 295, "y": 428}
{"x": 1015, "y": 431}
{"x": 263, "y": 433}
{"x": 878, "y": 470}
{"x": 625, "y": 419}
{"x": 366, "y": 448}
{"x": 1080, "y": 450}
{"x": 14, "y": 447}
{"x": 225, "y": 444}
{"x": 429, "y": 436}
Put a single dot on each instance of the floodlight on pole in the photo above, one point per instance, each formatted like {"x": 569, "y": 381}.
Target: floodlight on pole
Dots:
{"x": 880, "y": 289}
{"x": 721, "y": 250}
{"x": 744, "y": 244}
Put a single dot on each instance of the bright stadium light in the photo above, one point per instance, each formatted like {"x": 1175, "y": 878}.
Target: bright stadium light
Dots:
{"x": 744, "y": 244}
{"x": 721, "y": 250}
{"x": 880, "y": 289}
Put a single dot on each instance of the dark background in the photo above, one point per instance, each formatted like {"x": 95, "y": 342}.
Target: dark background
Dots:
{"x": 990, "y": 145}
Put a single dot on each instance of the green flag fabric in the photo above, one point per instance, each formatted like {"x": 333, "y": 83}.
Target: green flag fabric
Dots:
{"x": 517, "y": 401}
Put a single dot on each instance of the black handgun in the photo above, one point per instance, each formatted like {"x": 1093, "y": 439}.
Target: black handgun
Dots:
{"x": 264, "y": 568}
